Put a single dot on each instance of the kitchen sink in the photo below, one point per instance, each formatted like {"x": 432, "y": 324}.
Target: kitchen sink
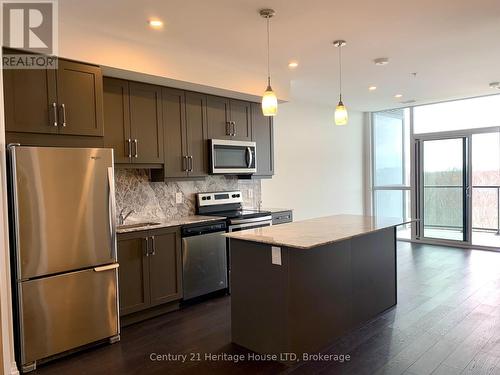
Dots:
{"x": 137, "y": 225}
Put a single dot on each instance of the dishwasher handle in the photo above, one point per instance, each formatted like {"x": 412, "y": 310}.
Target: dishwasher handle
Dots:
{"x": 199, "y": 230}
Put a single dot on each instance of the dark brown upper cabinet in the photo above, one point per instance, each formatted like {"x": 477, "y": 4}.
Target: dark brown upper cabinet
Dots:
{"x": 262, "y": 135}
{"x": 218, "y": 118}
{"x": 174, "y": 126}
{"x": 228, "y": 119}
{"x": 146, "y": 122}
{"x": 63, "y": 101}
{"x": 240, "y": 117}
{"x": 196, "y": 130}
{"x": 30, "y": 100}
{"x": 150, "y": 270}
{"x": 79, "y": 94}
{"x": 133, "y": 121}
{"x": 117, "y": 119}
{"x": 184, "y": 119}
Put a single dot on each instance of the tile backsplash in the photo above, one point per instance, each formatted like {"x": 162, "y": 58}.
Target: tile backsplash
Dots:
{"x": 149, "y": 199}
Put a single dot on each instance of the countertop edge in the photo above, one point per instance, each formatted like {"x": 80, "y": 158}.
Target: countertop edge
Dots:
{"x": 170, "y": 224}
{"x": 298, "y": 247}
{"x": 235, "y": 236}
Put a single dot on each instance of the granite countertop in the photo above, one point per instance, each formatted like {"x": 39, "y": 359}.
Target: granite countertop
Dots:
{"x": 165, "y": 223}
{"x": 310, "y": 233}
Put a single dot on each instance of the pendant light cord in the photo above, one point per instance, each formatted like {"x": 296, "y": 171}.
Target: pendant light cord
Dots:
{"x": 340, "y": 71}
{"x": 268, "y": 49}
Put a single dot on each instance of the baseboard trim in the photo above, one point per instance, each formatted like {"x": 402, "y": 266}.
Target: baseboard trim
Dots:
{"x": 13, "y": 369}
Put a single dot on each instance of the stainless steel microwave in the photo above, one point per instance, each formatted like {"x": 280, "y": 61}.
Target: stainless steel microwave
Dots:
{"x": 232, "y": 157}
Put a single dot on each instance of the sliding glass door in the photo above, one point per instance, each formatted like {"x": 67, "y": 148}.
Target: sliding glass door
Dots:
{"x": 458, "y": 188}
{"x": 440, "y": 164}
{"x": 444, "y": 192}
{"x": 485, "y": 169}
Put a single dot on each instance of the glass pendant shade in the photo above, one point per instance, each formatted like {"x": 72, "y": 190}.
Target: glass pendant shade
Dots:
{"x": 269, "y": 99}
{"x": 269, "y": 102}
{"x": 340, "y": 111}
{"x": 341, "y": 114}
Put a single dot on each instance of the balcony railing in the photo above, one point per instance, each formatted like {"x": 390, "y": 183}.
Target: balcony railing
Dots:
{"x": 495, "y": 187}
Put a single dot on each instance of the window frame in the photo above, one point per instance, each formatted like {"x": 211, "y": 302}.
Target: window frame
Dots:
{"x": 415, "y": 179}
{"x": 391, "y": 187}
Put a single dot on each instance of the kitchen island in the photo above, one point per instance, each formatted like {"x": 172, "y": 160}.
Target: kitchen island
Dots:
{"x": 297, "y": 287}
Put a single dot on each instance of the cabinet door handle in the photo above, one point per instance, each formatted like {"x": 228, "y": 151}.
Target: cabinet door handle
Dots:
{"x": 190, "y": 159}
{"x": 136, "y": 149}
{"x": 234, "y": 128}
{"x": 129, "y": 148}
{"x": 153, "y": 245}
{"x": 63, "y": 107}
{"x": 228, "y": 127}
{"x": 184, "y": 163}
{"x": 147, "y": 246}
{"x": 54, "y": 109}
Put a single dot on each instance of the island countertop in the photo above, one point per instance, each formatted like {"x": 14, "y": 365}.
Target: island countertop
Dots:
{"x": 320, "y": 231}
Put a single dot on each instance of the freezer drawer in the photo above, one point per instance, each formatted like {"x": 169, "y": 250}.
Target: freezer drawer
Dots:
{"x": 66, "y": 311}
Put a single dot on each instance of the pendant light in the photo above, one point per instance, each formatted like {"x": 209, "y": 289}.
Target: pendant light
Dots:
{"x": 269, "y": 99}
{"x": 340, "y": 111}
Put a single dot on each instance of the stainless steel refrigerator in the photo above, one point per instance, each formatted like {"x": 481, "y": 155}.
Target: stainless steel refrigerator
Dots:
{"x": 63, "y": 242}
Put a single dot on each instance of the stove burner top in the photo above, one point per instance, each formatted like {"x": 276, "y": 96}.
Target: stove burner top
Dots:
{"x": 241, "y": 214}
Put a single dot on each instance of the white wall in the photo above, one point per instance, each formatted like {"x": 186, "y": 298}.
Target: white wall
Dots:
{"x": 171, "y": 64}
{"x": 318, "y": 165}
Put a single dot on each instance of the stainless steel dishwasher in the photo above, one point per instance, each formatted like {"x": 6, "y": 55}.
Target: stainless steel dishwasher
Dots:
{"x": 204, "y": 259}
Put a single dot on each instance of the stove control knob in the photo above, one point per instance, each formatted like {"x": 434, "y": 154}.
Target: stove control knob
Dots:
{"x": 203, "y": 198}
{"x": 208, "y": 198}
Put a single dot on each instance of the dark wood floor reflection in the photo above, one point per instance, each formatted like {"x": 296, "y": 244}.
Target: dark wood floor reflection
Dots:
{"x": 447, "y": 321}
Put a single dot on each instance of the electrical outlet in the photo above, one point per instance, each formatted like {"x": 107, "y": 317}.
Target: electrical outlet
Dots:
{"x": 178, "y": 198}
{"x": 250, "y": 193}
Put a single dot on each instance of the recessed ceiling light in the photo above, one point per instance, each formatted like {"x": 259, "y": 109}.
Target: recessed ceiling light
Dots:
{"x": 381, "y": 61}
{"x": 155, "y": 23}
{"x": 293, "y": 64}
{"x": 372, "y": 88}
{"x": 398, "y": 96}
{"x": 495, "y": 85}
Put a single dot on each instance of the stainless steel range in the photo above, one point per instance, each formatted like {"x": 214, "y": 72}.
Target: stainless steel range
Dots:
{"x": 230, "y": 205}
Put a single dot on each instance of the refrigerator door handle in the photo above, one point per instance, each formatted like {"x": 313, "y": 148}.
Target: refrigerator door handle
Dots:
{"x": 112, "y": 210}
{"x": 106, "y": 268}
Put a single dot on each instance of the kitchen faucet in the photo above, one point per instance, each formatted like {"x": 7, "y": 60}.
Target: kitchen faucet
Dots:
{"x": 122, "y": 217}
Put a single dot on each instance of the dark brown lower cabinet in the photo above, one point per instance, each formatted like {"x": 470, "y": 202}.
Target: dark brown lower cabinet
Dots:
{"x": 133, "y": 273}
{"x": 165, "y": 272}
{"x": 150, "y": 269}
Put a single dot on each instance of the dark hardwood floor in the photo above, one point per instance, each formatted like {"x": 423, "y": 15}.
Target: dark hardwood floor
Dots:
{"x": 447, "y": 321}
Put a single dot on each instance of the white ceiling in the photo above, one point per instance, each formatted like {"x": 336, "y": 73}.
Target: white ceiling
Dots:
{"x": 453, "y": 45}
